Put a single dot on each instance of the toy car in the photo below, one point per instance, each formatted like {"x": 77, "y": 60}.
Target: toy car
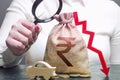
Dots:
{"x": 39, "y": 69}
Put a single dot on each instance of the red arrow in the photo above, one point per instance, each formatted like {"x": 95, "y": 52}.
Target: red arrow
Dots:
{"x": 104, "y": 69}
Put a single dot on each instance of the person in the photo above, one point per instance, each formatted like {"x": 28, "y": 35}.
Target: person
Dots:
{"x": 20, "y": 37}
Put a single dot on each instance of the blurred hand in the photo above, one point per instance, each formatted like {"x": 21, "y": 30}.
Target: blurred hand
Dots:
{"x": 21, "y": 36}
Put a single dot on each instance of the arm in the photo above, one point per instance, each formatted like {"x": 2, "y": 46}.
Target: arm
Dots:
{"x": 115, "y": 41}
{"x": 15, "y": 34}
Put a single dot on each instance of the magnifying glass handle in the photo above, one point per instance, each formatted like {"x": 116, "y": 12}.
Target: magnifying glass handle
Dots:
{"x": 35, "y": 22}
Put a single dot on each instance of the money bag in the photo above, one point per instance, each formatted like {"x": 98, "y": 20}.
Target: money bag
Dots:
{"x": 66, "y": 49}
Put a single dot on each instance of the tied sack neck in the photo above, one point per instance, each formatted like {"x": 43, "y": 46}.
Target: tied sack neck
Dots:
{"x": 64, "y": 18}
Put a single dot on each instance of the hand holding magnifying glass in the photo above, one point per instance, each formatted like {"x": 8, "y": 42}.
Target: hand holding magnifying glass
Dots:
{"x": 24, "y": 32}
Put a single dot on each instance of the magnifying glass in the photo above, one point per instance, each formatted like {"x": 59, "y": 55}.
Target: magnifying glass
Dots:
{"x": 38, "y": 20}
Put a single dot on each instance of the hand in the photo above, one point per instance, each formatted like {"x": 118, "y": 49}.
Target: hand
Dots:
{"x": 21, "y": 36}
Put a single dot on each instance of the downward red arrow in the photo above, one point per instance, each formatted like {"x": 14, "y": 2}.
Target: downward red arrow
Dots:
{"x": 104, "y": 69}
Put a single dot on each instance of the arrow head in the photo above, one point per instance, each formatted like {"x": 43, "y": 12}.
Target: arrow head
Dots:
{"x": 105, "y": 70}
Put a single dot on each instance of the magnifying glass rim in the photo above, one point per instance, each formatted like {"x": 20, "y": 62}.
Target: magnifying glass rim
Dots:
{"x": 37, "y": 20}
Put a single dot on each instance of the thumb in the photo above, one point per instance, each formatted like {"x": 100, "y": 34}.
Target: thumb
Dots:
{"x": 37, "y": 31}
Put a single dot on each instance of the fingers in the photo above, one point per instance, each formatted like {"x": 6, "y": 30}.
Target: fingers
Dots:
{"x": 34, "y": 30}
{"x": 18, "y": 37}
{"x": 14, "y": 43}
{"x": 37, "y": 31}
{"x": 22, "y": 35}
{"x": 15, "y": 46}
{"x": 28, "y": 24}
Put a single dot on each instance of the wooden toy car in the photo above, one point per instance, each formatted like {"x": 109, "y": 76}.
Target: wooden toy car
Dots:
{"x": 41, "y": 68}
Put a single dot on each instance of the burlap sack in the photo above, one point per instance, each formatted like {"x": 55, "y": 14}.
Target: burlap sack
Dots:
{"x": 66, "y": 50}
